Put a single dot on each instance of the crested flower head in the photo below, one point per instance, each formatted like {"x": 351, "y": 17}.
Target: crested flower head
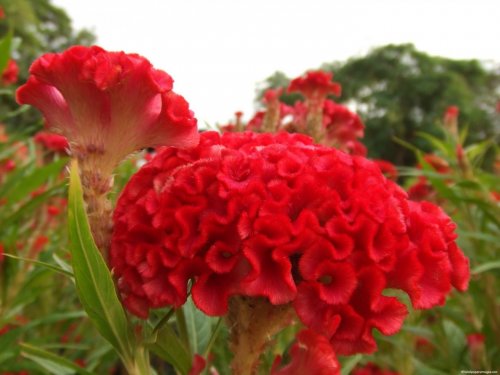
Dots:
{"x": 315, "y": 84}
{"x": 108, "y": 104}
{"x": 278, "y": 217}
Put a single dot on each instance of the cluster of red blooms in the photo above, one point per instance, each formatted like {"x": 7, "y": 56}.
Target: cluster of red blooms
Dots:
{"x": 276, "y": 216}
{"x": 332, "y": 124}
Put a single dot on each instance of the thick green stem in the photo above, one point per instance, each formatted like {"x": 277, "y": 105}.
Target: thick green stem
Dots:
{"x": 139, "y": 365}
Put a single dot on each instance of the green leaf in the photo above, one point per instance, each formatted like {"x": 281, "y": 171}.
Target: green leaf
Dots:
{"x": 8, "y": 340}
{"x": 457, "y": 342}
{"x": 478, "y": 236}
{"x": 96, "y": 356}
{"x": 469, "y": 184}
{"x": 350, "y": 363}
{"x": 199, "y": 327}
{"x": 53, "y": 318}
{"x": 405, "y": 144}
{"x": 170, "y": 348}
{"x": 42, "y": 264}
{"x": 437, "y": 143}
{"x": 488, "y": 266}
{"x": 62, "y": 263}
{"x": 5, "y": 45}
{"x": 51, "y": 362}
{"x": 33, "y": 285}
{"x": 476, "y": 151}
{"x": 94, "y": 283}
{"x": 422, "y": 369}
{"x": 213, "y": 337}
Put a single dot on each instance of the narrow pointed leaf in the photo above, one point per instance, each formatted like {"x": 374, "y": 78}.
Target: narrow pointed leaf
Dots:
{"x": 5, "y": 46}
{"x": 350, "y": 363}
{"x": 170, "y": 348}
{"x": 94, "y": 283}
{"x": 488, "y": 266}
{"x": 199, "y": 327}
{"x": 42, "y": 264}
{"x": 52, "y": 362}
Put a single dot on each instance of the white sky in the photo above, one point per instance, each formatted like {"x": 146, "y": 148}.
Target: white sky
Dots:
{"x": 218, "y": 50}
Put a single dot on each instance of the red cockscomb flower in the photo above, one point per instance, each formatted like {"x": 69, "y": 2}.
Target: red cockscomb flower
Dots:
{"x": 315, "y": 84}
{"x": 451, "y": 113}
{"x": 276, "y": 216}
{"x": 475, "y": 343}
{"x": 10, "y": 73}
{"x": 198, "y": 365}
{"x": 108, "y": 104}
{"x": 451, "y": 119}
{"x": 53, "y": 142}
{"x": 312, "y": 354}
{"x": 475, "y": 339}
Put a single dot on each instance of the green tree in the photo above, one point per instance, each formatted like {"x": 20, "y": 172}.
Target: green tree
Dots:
{"x": 399, "y": 91}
